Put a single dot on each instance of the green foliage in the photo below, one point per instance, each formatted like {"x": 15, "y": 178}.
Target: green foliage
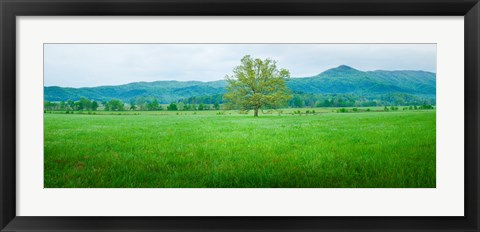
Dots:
{"x": 189, "y": 107}
{"x": 62, "y": 105}
{"x": 172, "y": 106}
{"x": 141, "y": 103}
{"x": 297, "y": 101}
{"x": 181, "y": 106}
{"x": 205, "y": 99}
{"x": 154, "y": 105}
{"x": 133, "y": 104}
{"x": 114, "y": 105}
{"x": 426, "y": 107}
{"x": 216, "y": 106}
{"x": 351, "y": 100}
{"x": 70, "y": 104}
{"x": 257, "y": 83}
{"x": 47, "y": 105}
{"x": 94, "y": 105}
{"x": 84, "y": 104}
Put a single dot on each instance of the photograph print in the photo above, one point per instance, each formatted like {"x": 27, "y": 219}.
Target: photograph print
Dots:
{"x": 239, "y": 115}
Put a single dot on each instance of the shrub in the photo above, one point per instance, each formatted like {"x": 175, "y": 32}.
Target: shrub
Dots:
{"x": 172, "y": 106}
{"x": 425, "y": 107}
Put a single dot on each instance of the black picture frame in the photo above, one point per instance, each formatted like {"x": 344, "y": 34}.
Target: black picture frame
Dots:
{"x": 9, "y": 9}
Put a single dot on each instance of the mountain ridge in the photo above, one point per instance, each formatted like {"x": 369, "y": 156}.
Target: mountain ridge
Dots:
{"x": 339, "y": 80}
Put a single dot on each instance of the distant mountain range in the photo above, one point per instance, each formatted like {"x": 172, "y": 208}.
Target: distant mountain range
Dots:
{"x": 339, "y": 80}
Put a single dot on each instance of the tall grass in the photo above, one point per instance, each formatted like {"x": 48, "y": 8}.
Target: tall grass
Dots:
{"x": 331, "y": 150}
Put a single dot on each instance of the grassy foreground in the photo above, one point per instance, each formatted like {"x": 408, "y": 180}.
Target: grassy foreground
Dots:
{"x": 328, "y": 150}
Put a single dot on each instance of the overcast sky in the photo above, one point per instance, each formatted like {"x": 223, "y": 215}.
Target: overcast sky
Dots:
{"x": 86, "y": 65}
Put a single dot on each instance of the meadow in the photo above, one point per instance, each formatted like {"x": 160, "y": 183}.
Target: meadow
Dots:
{"x": 225, "y": 149}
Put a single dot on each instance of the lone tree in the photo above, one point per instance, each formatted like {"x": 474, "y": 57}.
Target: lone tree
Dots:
{"x": 257, "y": 83}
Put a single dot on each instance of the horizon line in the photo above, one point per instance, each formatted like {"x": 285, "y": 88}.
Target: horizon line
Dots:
{"x": 398, "y": 70}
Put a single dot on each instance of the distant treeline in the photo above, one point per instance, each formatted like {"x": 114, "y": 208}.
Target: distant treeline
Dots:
{"x": 117, "y": 105}
{"x": 215, "y": 102}
{"x": 300, "y": 100}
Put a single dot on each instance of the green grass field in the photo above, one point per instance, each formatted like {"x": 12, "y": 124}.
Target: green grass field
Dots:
{"x": 204, "y": 149}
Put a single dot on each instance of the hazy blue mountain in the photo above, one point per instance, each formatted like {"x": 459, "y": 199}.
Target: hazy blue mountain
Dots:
{"x": 340, "y": 80}
{"x": 165, "y": 91}
{"x": 347, "y": 80}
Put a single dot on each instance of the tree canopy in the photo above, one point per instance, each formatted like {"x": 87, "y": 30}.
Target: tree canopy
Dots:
{"x": 114, "y": 105}
{"x": 257, "y": 84}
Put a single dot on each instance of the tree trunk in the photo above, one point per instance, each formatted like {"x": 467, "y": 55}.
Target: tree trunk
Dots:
{"x": 255, "y": 112}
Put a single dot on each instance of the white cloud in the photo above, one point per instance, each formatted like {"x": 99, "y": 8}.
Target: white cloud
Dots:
{"x": 80, "y": 65}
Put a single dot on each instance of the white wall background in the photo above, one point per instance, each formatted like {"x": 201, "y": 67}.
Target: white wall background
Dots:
{"x": 446, "y": 199}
